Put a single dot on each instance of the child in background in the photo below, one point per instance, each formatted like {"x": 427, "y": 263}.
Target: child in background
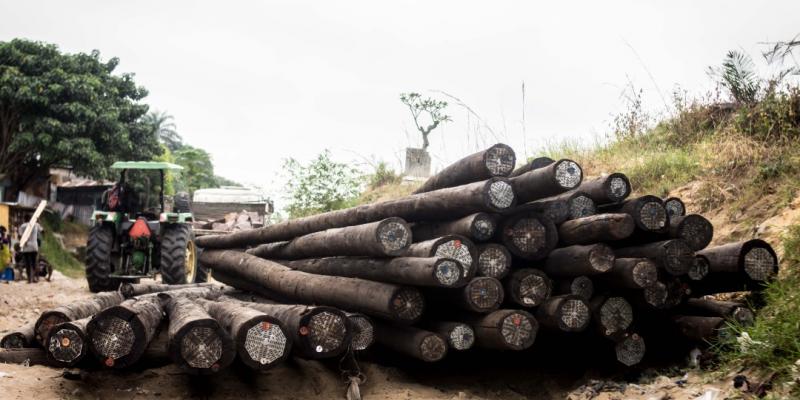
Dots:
{"x": 6, "y": 269}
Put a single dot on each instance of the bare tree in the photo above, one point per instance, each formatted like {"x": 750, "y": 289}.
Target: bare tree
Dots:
{"x": 434, "y": 109}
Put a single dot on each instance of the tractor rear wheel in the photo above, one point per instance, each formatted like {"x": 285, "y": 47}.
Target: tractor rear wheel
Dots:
{"x": 99, "y": 258}
{"x": 178, "y": 255}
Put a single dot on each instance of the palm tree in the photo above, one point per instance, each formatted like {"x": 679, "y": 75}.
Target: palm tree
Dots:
{"x": 163, "y": 127}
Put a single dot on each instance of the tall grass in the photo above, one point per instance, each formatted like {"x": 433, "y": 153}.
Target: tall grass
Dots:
{"x": 61, "y": 259}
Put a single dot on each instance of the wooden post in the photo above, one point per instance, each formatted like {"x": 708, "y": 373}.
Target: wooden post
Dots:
{"x": 402, "y": 304}
{"x": 363, "y": 331}
{"x": 612, "y": 315}
{"x": 607, "y": 189}
{"x": 317, "y": 331}
{"x": 197, "y": 343}
{"x": 581, "y": 286}
{"x": 417, "y": 271}
{"x": 596, "y": 228}
{"x": 68, "y": 343}
{"x": 389, "y": 237}
{"x": 414, "y": 342}
{"x": 504, "y": 329}
{"x": 460, "y": 336}
{"x": 494, "y": 260}
{"x": 129, "y": 290}
{"x": 694, "y": 229}
{"x": 261, "y": 341}
{"x": 528, "y": 287}
{"x": 498, "y": 160}
{"x": 73, "y": 311}
{"x": 536, "y": 163}
{"x": 20, "y": 338}
{"x": 674, "y": 255}
{"x": 675, "y": 207}
{"x": 630, "y": 273}
{"x": 120, "y": 334}
{"x": 451, "y": 246}
{"x": 479, "y": 227}
{"x": 481, "y": 295}
{"x": 648, "y": 212}
{"x": 579, "y": 260}
{"x": 493, "y": 195}
{"x": 528, "y": 235}
{"x": 738, "y": 312}
{"x": 558, "y": 177}
{"x": 566, "y": 313}
{"x": 755, "y": 259}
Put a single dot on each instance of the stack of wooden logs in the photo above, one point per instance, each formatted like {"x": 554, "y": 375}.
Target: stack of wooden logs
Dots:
{"x": 480, "y": 255}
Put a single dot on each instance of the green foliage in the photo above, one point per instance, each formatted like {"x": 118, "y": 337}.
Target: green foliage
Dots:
{"x": 322, "y": 185}
{"x": 739, "y": 77}
{"x": 383, "y": 175}
{"x": 434, "y": 109}
{"x": 67, "y": 109}
{"x": 663, "y": 171}
{"x": 198, "y": 170}
{"x": 775, "y": 117}
{"x": 61, "y": 259}
{"x": 162, "y": 126}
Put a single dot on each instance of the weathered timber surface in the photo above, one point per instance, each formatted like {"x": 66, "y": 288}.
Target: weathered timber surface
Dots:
{"x": 498, "y": 160}
{"x": 402, "y": 304}
{"x": 630, "y": 273}
{"x": 528, "y": 287}
{"x": 700, "y": 329}
{"x": 20, "y": 338}
{"x": 596, "y": 228}
{"x": 528, "y": 235}
{"x": 363, "y": 331}
{"x": 27, "y": 356}
{"x": 607, "y": 189}
{"x": 262, "y": 341}
{"x": 417, "y": 271}
{"x": 479, "y": 227}
{"x": 736, "y": 311}
{"x": 674, "y": 255}
{"x": 68, "y": 343}
{"x": 493, "y": 195}
{"x": 611, "y": 315}
{"x": 648, "y": 212}
{"x": 566, "y": 313}
{"x": 578, "y": 260}
{"x": 558, "y": 177}
{"x": 581, "y": 286}
{"x": 129, "y": 290}
{"x": 555, "y": 210}
{"x": 120, "y": 334}
{"x": 699, "y": 269}
{"x": 754, "y": 259}
{"x": 504, "y": 329}
{"x": 481, "y": 295}
{"x": 494, "y": 260}
{"x": 72, "y": 311}
{"x": 197, "y": 342}
{"x": 389, "y": 237}
{"x": 459, "y": 335}
{"x": 456, "y": 247}
{"x": 675, "y": 207}
{"x": 694, "y": 229}
{"x": 579, "y": 204}
{"x": 414, "y": 342}
{"x": 536, "y": 163}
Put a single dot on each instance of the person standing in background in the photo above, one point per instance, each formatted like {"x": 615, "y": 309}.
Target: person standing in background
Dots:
{"x": 30, "y": 251}
{"x": 5, "y": 255}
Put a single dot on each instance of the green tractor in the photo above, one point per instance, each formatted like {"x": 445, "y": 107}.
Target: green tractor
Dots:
{"x": 135, "y": 237}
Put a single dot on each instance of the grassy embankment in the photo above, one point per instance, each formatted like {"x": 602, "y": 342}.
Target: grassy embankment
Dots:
{"x": 59, "y": 257}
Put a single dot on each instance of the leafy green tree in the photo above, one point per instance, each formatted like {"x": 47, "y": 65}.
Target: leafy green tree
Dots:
{"x": 163, "y": 127}
{"x": 198, "y": 170}
{"x": 419, "y": 107}
{"x": 67, "y": 109}
{"x": 322, "y": 185}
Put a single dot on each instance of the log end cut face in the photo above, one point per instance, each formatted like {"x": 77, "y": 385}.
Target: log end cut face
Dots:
{"x": 47, "y": 322}
{"x": 394, "y": 235}
{"x": 66, "y": 345}
{"x": 500, "y": 160}
{"x": 325, "y": 331}
{"x": 448, "y": 272}
{"x": 501, "y": 195}
{"x": 461, "y": 337}
{"x": 407, "y": 304}
{"x": 601, "y": 258}
{"x": 519, "y": 330}
{"x": 456, "y": 249}
{"x": 432, "y": 348}
{"x": 743, "y": 316}
{"x": 699, "y": 268}
{"x": 574, "y": 315}
{"x": 679, "y": 257}
{"x": 568, "y": 174}
{"x": 696, "y": 231}
{"x": 656, "y": 294}
{"x": 534, "y": 289}
{"x": 581, "y": 206}
{"x": 645, "y": 273}
{"x": 363, "y": 332}
{"x": 582, "y": 287}
{"x": 760, "y": 264}
{"x": 265, "y": 343}
{"x": 653, "y": 215}
{"x": 528, "y": 235}
{"x": 630, "y": 351}
{"x": 674, "y": 207}
{"x": 13, "y": 341}
{"x": 483, "y": 227}
{"x": 112, "y": 338}
{"x": 616, "y": 315}
{"x": 484, "y": 294}
{"x": 617, "y": 188}
{"x": 494, "y": 261}
{"x": 201, "y": 347}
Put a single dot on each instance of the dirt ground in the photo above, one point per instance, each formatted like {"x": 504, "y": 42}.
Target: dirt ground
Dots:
{"x": 460, "y": 376}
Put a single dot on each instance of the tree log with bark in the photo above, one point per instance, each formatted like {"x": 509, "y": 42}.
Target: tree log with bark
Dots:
{"x": 479, "y": 227}
{"x": 498, "y": 160}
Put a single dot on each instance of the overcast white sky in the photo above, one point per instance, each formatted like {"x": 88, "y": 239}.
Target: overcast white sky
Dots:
{"x": 256, "y": 82}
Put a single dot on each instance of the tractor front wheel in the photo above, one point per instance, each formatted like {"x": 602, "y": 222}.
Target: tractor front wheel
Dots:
{"x": 98, "y": 259}
{"x": 178, "y": 256}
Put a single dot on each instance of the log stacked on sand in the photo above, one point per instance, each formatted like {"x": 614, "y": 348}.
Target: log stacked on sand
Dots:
{"x": 498, "y": 160}
{"x": 197, "y": 342}
{"x": 504, "y": 329}
{"x": 68, "y": 343}
{"x": 20, "y": 338}
{"x": 460, "y": 336}
{"x": 558, "y": 177}
{"x": 414, "y": 342}
{"x": 72, "y": 311}
{"x": 607, "y": 189}
{"x": 479, "y": 227}
{"x": 648, "y": 213}
{"x": 455, "y": 247}
{"x": 418, "y": 271}
{"x": 120, "y": 334}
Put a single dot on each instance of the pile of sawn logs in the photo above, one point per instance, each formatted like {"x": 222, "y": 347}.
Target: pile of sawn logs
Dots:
{"x": 481, "y": 255}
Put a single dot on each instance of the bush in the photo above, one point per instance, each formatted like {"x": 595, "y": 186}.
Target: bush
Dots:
{"x": 322, "y": 185}
{"x": 383, "y": 176}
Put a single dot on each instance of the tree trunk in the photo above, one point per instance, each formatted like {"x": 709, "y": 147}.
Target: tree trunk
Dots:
{"x": 528, "y": 287}
{"x": 558, "y": 177}
{"x": 674, "y": 207}
{"x": 129, "y": 290}
{"x": 389, "y": 237}
{"x": 753, "y": 259}
{"x": 454, "y": 247}
{"x": 402, "y": 304}
{"x": 492, "y": 195}
{"x": 607, "y": 189}
{"x": 460, "y": 336}
{"x": 479, "y": 227}
{"x": 528, "y": 235}
{"x": 317, "y": 331}
{"x": 494, "y": 260}
{"x": 481, "y": 295}
{"x": 197, "y": 342}
{"x": 504, "y": 329}
{"x": 68, "y": 343}
{"x": 75, "y": 310}
{"x": 578, "y": 260}
{"x": 581, "y": 286}
{"x": 611, "y": 315}
{"x": 363, "y": 331}
{"x": 20, "y": 338}
{"x": 555, "y": 210}
{"x": 25, "y": 356}
{"x": 416, "y": 271}
{"x": 261, "y": 341}
{"x": 694, "y": 229}
{"x": 414, "y": 342}
{"x": 596, "y": 229}
{"x": 536, "y": 163}
{"x": 647, "y": 211}
{"x": 565, "y": 313}
{"x": 738, "y": 312}
{"x": 701, "y": 329}
{"x": 630, "y": 273}
{"x": 498, "y": 160}
{"x": 673, "y": 256}
{"x": 578, "y": 203}
{"x": 120, "y": 334}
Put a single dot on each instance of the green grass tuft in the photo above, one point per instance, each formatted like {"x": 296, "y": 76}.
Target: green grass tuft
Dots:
{"x": 61, "y": 259}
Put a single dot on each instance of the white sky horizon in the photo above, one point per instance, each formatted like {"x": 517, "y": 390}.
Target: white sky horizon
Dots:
{"x": 256, "y": 82}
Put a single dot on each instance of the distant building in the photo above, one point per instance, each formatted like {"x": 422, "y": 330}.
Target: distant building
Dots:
{"x": 213, "y": 204}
